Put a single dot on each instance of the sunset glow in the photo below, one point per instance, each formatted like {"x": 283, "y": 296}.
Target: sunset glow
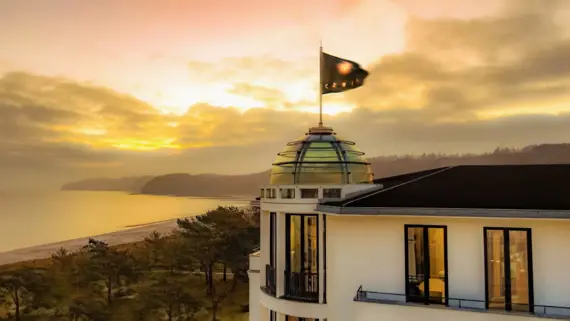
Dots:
{"x": 154, "y": 77}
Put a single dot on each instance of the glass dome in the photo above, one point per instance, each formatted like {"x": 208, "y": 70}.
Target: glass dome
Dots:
{"x": 321, "y": 157}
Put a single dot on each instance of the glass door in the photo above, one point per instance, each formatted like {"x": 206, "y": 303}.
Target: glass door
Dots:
{"x": 426, "y": 264}
{"x": 508, "y": 269}
{"x": 302, "y": 257}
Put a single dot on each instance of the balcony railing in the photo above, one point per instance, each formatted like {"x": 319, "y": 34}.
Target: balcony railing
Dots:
{"x": 302, "y": 286}
{"x": 544, "y": 311}
{"x": 270, "y": 275}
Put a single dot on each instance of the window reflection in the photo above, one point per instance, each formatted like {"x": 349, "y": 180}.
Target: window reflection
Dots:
{"x": 303, "y": 243}
{"x": 295, "y": 243}
{"x": 519, "y": 270}
{"x": 496, "y": 269}
{"x": 302, "y": 281}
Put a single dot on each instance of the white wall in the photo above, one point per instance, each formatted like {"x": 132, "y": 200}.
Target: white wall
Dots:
{"x": 253, "y": 273}
{"x": 369, "y": 251}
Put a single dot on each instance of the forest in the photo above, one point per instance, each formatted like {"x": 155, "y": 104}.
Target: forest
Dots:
{"x": 198, "y": 272}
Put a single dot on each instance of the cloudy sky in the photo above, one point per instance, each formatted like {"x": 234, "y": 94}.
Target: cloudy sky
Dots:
{"x": 129, "y": 87}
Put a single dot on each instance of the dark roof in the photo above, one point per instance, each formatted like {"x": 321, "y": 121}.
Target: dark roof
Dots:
{"x": 399, "y": 179}
{"x": 533, "y": 187}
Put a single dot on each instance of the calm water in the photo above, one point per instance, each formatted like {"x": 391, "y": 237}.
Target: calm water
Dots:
{"x": 28, "y": 219}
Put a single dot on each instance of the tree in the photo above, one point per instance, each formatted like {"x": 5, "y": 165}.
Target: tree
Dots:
{"x": 154, "y": 244}
{"x": 201, "y": 243}
{"x": 25, "y": 289}
{"x": 110, "y": 266}
{"x": 169, "y": 297}
{"x": 173, "y": 253}
{"x": 88, "y": 309}
{"x": 63, "y": 260}
{"x": 226, "y": 235}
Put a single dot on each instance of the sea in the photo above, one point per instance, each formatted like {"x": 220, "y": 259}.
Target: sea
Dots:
{"x": 29, "y": 219}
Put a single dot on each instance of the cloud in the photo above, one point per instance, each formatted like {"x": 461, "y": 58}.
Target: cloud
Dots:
{"x": 252, "y": 69}
{"x": 463, "y": 69}
{"x": 270, "y": 96}
{"x": 462, "y": 84}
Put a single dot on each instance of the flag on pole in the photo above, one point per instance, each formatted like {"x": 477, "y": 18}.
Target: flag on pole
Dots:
{"x": 338, "y": 75}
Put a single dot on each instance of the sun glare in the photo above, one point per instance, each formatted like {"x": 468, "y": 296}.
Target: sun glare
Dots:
{"x": 331, "y": 109}
{"x": 144, "y": 145}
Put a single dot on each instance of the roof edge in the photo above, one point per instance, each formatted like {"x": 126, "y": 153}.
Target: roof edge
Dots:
{"x": 445, "y": 212}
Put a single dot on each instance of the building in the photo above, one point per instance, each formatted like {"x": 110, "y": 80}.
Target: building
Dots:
{"x": 338, "y": 245}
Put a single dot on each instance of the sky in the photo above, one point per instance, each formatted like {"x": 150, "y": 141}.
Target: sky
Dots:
{"x": 129, "y": 87}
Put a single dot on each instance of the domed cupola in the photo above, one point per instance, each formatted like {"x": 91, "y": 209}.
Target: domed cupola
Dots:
{"x": 321, "y": 157}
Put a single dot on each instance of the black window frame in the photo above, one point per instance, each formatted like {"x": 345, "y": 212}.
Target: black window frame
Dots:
{"x": 272, "y": 315}
{"x": 287, "y": 193}
{"x": 426, "y": 262}
{"x": 273, "y": 239}
{"x": 328, "y": 191}
{"x": 506, "y": 249}
{"x": 302, "y": 245}
{"x": 324, "y": 256}
{"x": 304, "y": 191}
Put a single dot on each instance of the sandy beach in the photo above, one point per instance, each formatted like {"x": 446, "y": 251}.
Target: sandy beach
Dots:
{"x": 125, "y": 236}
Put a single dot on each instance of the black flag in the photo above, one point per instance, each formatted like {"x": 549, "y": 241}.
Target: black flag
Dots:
{"x": 338, "y": 75}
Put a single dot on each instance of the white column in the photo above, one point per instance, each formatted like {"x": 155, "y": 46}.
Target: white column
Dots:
{"x": 264, "y": 245}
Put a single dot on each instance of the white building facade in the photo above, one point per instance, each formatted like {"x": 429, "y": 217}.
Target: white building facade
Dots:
{"x": 443, "y": 244}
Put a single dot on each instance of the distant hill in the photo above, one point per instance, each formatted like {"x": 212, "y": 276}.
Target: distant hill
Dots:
{"x": 123, "y": 184}
{"x": 211, "y": 185}
{"x": 206, "y": 185}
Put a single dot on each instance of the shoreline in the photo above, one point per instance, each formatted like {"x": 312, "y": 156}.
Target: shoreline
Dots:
{"x": 126, "y": 236}
{"x": 131, "y": 233}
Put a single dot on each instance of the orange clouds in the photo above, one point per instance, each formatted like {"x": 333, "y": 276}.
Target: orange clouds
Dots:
{"x": 451, "y": 81}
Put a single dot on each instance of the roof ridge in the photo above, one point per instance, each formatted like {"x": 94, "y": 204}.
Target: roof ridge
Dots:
{"x": 395, "y": 186}
{"x": 425, "y": 172}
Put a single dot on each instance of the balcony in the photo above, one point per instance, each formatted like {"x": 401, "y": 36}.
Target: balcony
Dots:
{"x": 302, "y": 286}
{"x": 270, "y": 283}
{"x": 466, "y": 305}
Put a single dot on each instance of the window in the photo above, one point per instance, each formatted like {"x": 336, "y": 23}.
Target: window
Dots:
{"x": 262, "y": 194}
{"x": 332, "y": 193}
{"x": 508, "y": 269}
{"x": 270, "y": 273}
{"x": 426, "y": 264}
{"x": 287, "y": 193}
{"x": 272, "y": 315}
{"x": 302, "y": 267}
{"x": 270, "y": 193}
{"x": 309, "y": 193}
{"x": 272, "y": 238}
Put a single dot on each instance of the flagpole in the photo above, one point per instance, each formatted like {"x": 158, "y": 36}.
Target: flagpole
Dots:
{"x": 321, "y": 84}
